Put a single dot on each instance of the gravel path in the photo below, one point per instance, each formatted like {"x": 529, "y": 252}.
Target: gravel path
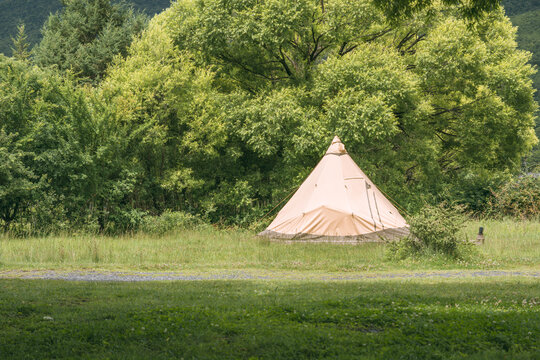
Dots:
{"x": 131, "y": 276}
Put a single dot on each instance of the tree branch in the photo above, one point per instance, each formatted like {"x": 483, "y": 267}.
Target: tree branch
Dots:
{"x": 284, "y": 62}
{"x": 407, "y": 37}
{"x": 445, "y": 133}
{"x": 342, "y": 51}
{"x": 246, "y": 68}
{"x": 418, "y": 39}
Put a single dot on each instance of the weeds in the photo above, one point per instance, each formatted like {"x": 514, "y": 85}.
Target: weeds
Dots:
{"x": 94, "y": 249}
{"x": 168, "y": 222}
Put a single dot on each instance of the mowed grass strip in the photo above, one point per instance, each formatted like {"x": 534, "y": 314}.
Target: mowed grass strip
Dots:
{"x": 509, "y": 245}
{"x": 383, "y": 319}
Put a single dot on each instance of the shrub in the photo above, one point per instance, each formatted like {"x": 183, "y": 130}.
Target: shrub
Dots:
{"x": 44, "y": 216}
{"x": 434, "y": 230}
{"x": 121, "y": 219}
{"x": 473, "y": 190}
{"x": 169, "y": 221}
{"x": 519, "y": 198}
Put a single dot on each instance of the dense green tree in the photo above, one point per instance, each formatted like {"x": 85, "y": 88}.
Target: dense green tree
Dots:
{"x": 62, "y": 146}
{"x": 86, "y": 35}
{"x": 16, "y": 180}
{"x": 222, "y": 107}
{"x": 164, "y": 104}
{"x": 469, "y": 9}
{"x": 21, "y": 47}
{"x": 34, "y": 13}
{"x": 421, "y": 104}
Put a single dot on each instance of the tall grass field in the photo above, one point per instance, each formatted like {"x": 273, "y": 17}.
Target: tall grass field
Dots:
{"x": 509, "y": 245}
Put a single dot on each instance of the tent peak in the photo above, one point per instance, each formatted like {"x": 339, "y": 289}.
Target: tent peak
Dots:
{"x": 336, "y": 147}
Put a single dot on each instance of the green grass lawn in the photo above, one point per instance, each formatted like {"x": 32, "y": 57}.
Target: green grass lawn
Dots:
{"x": 383, "y": 319}
{"x": 476, "y": 318}
{"x": 509, "y": 245}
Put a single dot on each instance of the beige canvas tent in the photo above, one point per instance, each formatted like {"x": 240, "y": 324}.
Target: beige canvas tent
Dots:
{"x": 337, "y": 202}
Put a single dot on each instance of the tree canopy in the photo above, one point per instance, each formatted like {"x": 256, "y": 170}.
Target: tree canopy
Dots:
{"x": 420, "y": 104}
{"x": 86, "y": 35}
{"x": 222, "y": 107}
{"x": 21, "y": 47}
{"x": 469, "y": 9}
{"x": 34, "y": 14}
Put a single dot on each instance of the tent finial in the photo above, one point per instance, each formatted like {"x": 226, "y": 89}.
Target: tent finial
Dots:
{"x": 336, "y": 147}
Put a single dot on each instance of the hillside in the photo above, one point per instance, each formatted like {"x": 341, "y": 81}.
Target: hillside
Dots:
{"x": 528, "y": 24}
{"x": 525, "y": 14}
{"x": 33, "y": 14}
{"x": 516, "y": 7}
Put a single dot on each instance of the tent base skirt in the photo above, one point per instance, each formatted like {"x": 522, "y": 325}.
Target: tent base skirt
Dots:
{"x": 376, "y": 236}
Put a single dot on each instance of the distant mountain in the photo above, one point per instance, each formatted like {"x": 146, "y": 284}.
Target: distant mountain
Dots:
{"x": 525, "y": 14}
{"x": 516, "y": 7}
{"x": 33, "y": 14}
{"x": 528, "y": 23}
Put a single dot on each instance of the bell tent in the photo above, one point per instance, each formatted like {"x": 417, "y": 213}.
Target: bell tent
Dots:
{"x": 337, "y": 202}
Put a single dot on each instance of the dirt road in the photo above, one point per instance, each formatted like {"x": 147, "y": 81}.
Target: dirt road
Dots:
{"x": 130, "y": 276}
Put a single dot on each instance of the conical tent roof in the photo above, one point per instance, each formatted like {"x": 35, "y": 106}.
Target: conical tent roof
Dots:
{"x": 338, "y": 202}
